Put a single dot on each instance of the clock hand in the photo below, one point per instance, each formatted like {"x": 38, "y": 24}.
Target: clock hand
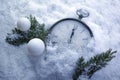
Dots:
{"x": 72, "y": 34}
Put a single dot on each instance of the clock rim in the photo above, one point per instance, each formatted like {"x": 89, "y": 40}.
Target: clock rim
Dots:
{"x": 85, "y": 25}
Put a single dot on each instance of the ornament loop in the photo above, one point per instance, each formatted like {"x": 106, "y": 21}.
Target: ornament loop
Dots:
{"x": 82, "y": 13}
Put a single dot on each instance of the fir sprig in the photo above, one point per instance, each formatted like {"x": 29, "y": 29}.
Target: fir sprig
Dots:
{"x": 18, "y": 37}
{"x": 88, "y": 68}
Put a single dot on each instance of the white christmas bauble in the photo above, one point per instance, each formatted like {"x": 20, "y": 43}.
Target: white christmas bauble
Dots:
{"x": 51, "y": 49}
{"x": 36, "y": 47}
{"x": 23, "y": 24}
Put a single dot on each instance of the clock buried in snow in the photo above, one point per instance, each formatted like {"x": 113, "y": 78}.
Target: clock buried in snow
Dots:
{"x": 71, "y": 33}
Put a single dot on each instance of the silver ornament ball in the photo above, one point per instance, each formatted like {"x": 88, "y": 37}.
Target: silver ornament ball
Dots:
{"x": 23, "y": 24}
{"x": 36, "y": 47}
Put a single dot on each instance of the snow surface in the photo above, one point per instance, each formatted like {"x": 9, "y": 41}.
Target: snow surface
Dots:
{"x": 104, "y": 21}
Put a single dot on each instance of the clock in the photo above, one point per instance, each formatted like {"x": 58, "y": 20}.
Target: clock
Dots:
{"x": 70, "y": 32}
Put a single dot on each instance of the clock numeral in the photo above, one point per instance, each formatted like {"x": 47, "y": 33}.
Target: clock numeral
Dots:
{"x": 75, "y": 26}
{"x": 82, "y": 31}
{"x": 85, "y": 38}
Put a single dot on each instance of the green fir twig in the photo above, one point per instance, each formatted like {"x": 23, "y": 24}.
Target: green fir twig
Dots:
{"x": 94, "y": 64}
{"x": 18, "y": 37}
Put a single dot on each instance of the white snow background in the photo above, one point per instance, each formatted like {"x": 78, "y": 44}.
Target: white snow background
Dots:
{"x": 104, "y": 21}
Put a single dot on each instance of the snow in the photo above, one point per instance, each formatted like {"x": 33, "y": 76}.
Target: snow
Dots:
{"x": 104, "y": 21}
{"x": 51, "y": 49}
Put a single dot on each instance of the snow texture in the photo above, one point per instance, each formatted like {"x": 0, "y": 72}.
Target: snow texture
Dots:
{"x": 104, "y": 21}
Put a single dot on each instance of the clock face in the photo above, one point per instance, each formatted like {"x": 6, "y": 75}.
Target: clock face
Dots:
{"x": 70, "y": 33}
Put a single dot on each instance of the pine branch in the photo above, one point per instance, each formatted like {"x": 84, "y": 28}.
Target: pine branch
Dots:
{"x": 80, "y": 68}
{"x": 93, "y": 65}
{"x": 99, "y": 61}
{"x": 18, "y": 37}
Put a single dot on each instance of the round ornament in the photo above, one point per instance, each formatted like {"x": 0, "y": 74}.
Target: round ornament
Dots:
{"x": 23, "y": 24}
{"x": 36, "y": 47}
